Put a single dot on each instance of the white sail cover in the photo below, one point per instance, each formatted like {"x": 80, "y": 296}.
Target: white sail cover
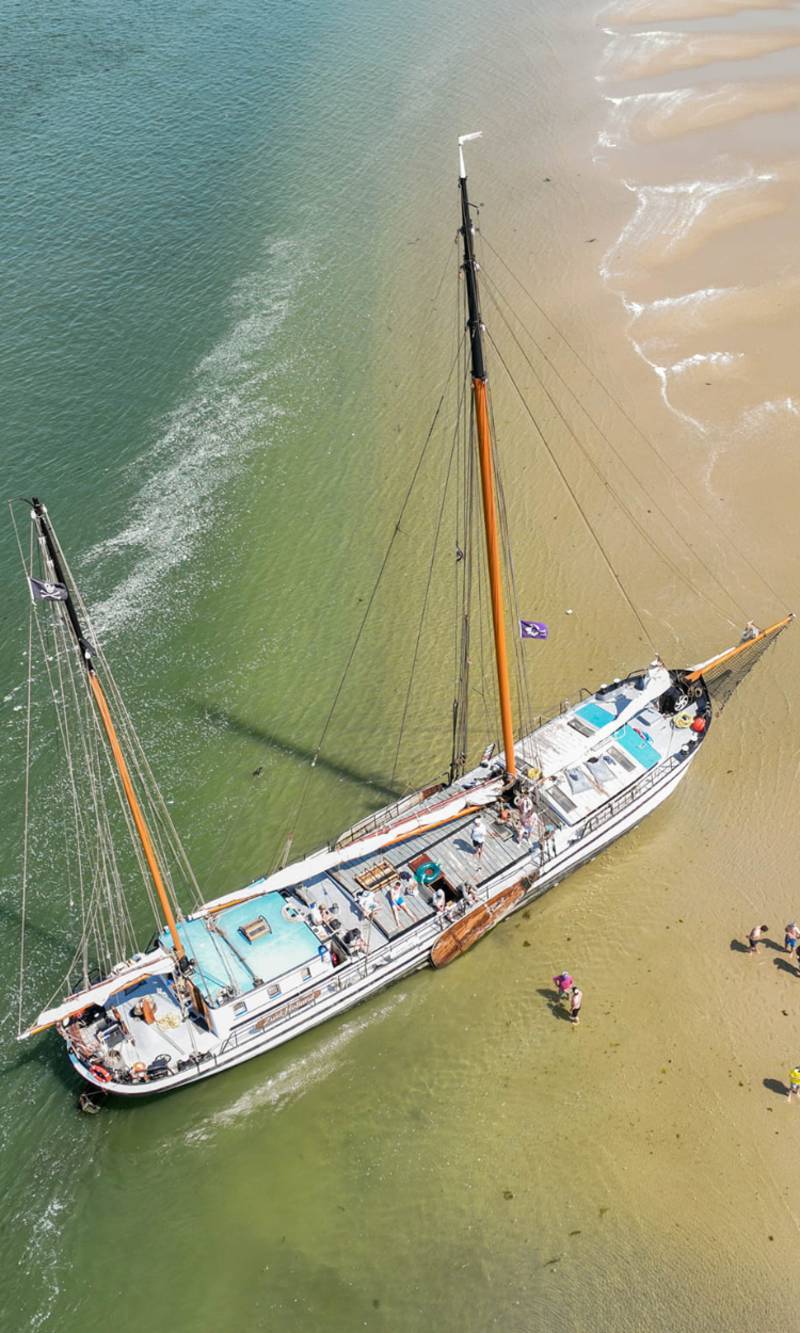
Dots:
{"x": 317, "y": 864}
{"x": 157, "y": 963}
{"x": 557, "y": 745}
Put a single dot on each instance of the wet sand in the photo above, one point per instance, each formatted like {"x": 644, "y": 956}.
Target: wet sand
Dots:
{"x": 453, "y": 1155}
{"x": 650, "y": 54}
{"x": 662, "y": 11}
{"x": 704, "y": 262}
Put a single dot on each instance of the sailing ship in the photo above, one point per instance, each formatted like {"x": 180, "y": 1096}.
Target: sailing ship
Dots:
{"x": 414, "y": 885}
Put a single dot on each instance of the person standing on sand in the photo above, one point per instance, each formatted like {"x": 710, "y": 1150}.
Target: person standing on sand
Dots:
{"x": 791, "y": 936}
{"x": 755, "y": 936}
{"x": 562, "y": 984}
{"x": 794, "y": 1084}
{"x": 575, "y": 1002}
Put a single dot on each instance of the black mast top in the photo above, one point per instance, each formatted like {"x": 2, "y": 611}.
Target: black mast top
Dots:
{"x": 46, "y": 534}
{"x": 471, "y": 274}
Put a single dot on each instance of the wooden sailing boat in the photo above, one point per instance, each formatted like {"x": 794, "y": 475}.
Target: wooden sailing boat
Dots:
{"x": 249, "y": 970}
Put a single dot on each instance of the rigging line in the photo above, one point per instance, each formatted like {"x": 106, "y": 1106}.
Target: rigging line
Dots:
{"x": 431, "y": 566}
{"x": 464, "y": 575}
{"x": 508, "y": 552}
{"x": 86, "y": 725}
{"x": 73, "y": 786}
{"x": 575, "y": 499}
{"x": 381, "y": 572}
{"x": 684, "y": 541}
{"x": 664, "y": 460}
{"x": 154, "y": 796}
{"x": 26, "y": 807}
{"x": 679, "y": 573}
{"x": 488, "y": 710}
{"x": 59, "y": 719}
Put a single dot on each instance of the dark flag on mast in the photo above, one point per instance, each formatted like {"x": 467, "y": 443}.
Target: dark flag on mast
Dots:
{"x": 43, "y": 591}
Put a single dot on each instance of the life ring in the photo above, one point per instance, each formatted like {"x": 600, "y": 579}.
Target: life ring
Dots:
{"x": 427, "y": 872}
{"x": 683, "y": 719}
{"x": 100, "y": 1073}
{"x": 290, "y": 913}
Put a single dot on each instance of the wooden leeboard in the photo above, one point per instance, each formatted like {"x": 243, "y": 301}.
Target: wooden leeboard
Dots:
{"x": 463, "y": 934}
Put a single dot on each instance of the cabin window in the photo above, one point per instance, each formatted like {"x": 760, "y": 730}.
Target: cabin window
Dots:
{"x": 239, "y": 1009}
{"x": 273, "y": 990}
{"x": 562, "y": 800}
{"x": 580, "y": 727}
{"x": 305, "y": 974}
{"x": 622, "y": 759}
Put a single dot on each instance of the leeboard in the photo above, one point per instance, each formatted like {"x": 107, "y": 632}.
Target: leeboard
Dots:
{"x": 463, "y": 934}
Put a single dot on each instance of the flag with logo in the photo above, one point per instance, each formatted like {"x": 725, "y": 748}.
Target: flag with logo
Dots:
{"x": 533, "y": 629}
{"x": 43, "y": 591}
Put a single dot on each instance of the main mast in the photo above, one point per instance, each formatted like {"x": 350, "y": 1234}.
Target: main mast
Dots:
{"x": 51, "y": 550}
{"x": 485, "y": 457}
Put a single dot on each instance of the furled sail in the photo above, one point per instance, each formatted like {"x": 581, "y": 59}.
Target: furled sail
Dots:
{"x": 328, "y": 859}
{"x": 157, "y": 963}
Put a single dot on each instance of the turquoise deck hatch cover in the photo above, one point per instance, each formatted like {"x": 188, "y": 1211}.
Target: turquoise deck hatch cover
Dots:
{"x": 637, "y": 746}
{"x": 595, "y": 715}
{"x": 287, "y": 945}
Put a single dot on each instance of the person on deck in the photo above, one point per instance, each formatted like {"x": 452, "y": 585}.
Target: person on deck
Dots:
{"x": 478, "y": 834}
{"x": 368, "y": 903}
{"x": 524, "y": 806}
{"x": 397, "y": 902}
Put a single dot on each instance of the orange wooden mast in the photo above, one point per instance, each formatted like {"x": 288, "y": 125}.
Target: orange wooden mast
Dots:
{"x": 486, "y": 461}
{"x": 46, "y": 535}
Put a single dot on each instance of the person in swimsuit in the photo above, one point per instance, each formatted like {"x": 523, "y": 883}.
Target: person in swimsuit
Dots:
{"x": 791, "y": 936}
{"x": 794, "y": 1083}
{"x": 755, "y": 936}
{"x": 397, "y": 902}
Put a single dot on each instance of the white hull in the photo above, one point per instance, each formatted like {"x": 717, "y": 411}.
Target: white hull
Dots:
{"x": 357, "y": 981}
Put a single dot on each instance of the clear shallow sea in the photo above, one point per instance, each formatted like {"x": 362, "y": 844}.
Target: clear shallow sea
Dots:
{"x": 222, "y": 342}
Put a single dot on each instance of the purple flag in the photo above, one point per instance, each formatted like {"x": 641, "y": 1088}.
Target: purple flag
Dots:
{"x": 532, "y": 629}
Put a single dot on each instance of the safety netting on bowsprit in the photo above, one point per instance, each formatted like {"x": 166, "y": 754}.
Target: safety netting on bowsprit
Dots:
{"x": 723, "y": 676}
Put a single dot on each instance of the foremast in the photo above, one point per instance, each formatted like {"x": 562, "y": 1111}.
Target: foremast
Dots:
{"x": 86, "y": 653}
{"x": 486, "y": 462}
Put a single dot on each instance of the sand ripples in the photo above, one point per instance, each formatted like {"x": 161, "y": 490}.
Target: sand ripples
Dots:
{"x": 704, "y": 262}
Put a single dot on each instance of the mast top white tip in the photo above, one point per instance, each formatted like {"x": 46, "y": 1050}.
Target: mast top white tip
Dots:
{"x": 462, "y": 139}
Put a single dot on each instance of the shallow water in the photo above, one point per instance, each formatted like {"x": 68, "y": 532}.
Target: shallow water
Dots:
{"x": 225, "y": 341}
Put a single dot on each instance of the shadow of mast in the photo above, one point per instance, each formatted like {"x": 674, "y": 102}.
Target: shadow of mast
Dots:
{"x": 376, "y": 782}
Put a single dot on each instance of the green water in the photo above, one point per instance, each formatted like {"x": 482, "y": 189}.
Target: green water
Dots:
{"x": 223, "y": 339}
